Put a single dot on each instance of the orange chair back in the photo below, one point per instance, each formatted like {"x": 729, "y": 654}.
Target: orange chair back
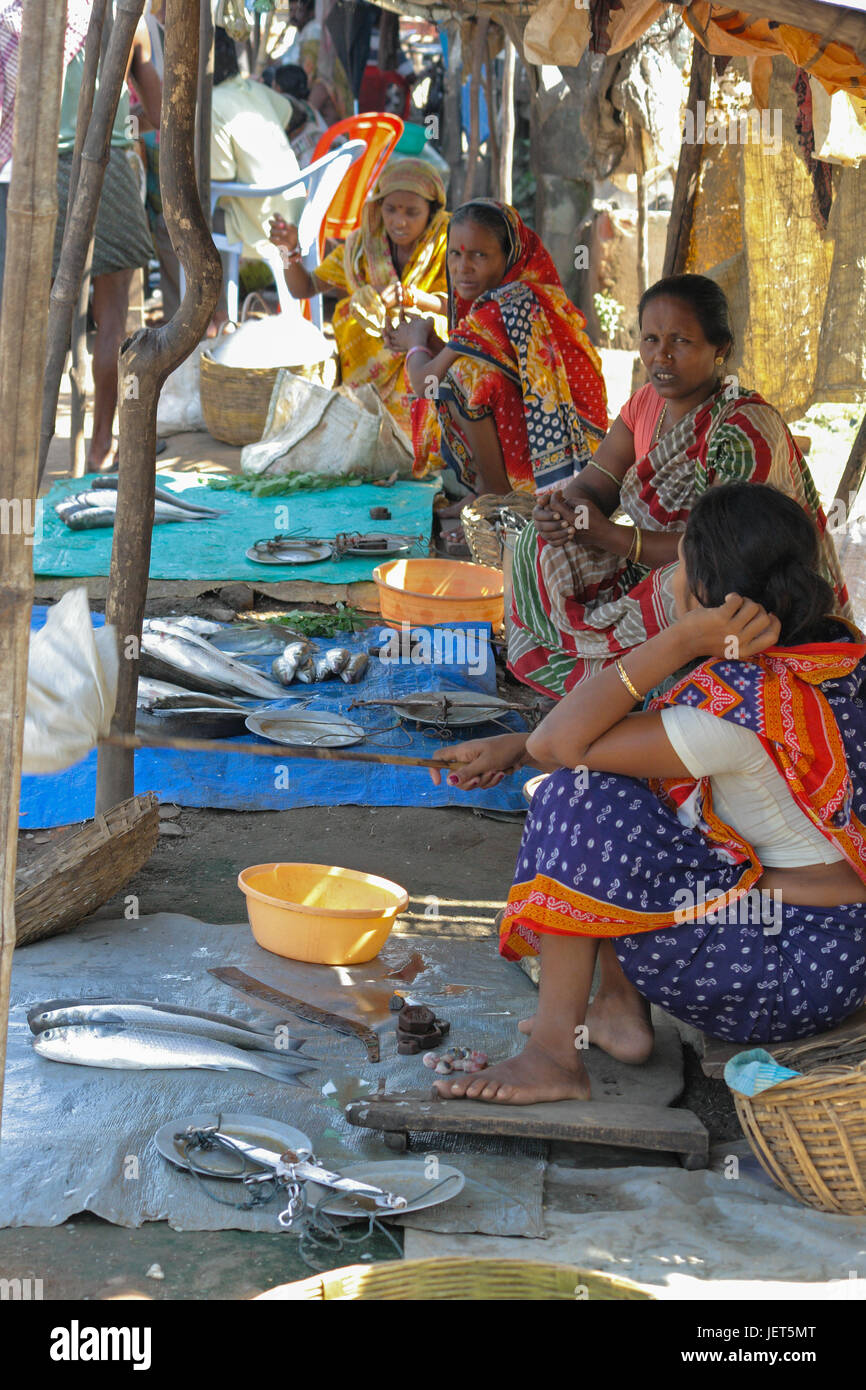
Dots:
{"x": 380, "y": 131}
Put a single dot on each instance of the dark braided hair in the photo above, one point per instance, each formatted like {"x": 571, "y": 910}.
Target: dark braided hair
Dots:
{"x": 705, "y": 299}
{"x": 750, "y": 539}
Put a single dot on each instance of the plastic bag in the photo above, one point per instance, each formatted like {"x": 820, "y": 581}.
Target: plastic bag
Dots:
{"x": 179, "y": 405}
{"x": 272, "y": 342}
{"x": 310, "y": 429}
{"x": 71, "y": 686}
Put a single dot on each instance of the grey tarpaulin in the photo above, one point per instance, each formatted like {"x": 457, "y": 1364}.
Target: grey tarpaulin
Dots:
{"x": 79, "y": 1138}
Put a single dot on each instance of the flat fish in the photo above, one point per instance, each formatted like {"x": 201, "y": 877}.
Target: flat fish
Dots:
{"x": 186, "y": 659}
{"x": 161, "y": 494}
{"x": 140, "y": 1014}
{"x": 140, "y": 1049}
{"x": 355, "y": 668}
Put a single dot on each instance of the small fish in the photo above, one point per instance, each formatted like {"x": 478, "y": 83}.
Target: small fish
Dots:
{"x": 322, "y": 668}
{"x": 338, "y": 658}
{"x": 306, "y": 672}
{"x": 285, "y": 667}
{"x": 115, "y": 1045}
{"x": 141, "y": 1014}
{"x": 355, "y": 668}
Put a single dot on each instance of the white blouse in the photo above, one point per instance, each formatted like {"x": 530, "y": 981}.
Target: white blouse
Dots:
{"x": 749, "y": 793}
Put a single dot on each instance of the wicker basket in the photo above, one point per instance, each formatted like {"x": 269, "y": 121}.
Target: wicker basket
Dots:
{"x": 479, "y": 519}
{"x": 809, "y": 1135}
{"x": 459, "y": 1279}
{"x": 235, "y": 400}
{"x": 84, "y": 868}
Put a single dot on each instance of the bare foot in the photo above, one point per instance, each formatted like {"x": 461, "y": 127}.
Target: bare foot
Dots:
{"x": 100, "y": 456}
{"x": 531, "y": 1077}
{"x": 620, "y": 1024}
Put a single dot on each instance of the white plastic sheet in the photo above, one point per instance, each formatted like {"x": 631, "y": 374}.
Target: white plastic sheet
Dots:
{"x": 71, "y": 686}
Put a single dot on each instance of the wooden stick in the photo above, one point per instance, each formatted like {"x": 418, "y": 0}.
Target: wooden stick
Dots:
{"x": 204, "y": 104}
{"x": 473, "y": 155}
{"x": 31, "y": 219}
{"x": 146, "y": 360}
{"x": 506, "y": 139}
{"x": 688, "y": 169}
{"x": 489, "y": 84}
{"x": 261, "y": 750}
{"x": 852, "y": 478}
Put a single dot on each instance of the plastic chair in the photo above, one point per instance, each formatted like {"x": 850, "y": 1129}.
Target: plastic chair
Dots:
{"x": 380, "y": 132}
{"x": 323, "y": 178}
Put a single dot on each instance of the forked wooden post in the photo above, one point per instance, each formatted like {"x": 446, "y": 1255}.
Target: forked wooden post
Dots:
{"x": 689, "y": 167}
{"x": 146, "y": 359}
{"x": 31, "y": 219}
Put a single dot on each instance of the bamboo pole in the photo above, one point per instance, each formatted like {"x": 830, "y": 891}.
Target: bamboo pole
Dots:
{"x": 146, "y": 359}
{"x": 31, "y": 220}
{"x": 204, "y": 101}
{"x": 82, "y": 216}
{"x": 506, "y": 138}
{"x": 261, "y": 750}
{"x": 77, "y": 365}
{"x": 689, "y": 168}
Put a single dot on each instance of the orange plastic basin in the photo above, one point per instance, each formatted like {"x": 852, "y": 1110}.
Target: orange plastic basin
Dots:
{"x": 439, "y": 591}
{"x": 319, "y": 912}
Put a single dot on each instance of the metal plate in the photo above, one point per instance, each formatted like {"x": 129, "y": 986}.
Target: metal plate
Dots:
{"x": 256, "y": 1129}
{"x": 315, "y": 728}
{"x": 464, "y": 708}
{"x": 377, "y": 546}
{"x": 294, "y": 553}
{"x": 410, "y": 1178}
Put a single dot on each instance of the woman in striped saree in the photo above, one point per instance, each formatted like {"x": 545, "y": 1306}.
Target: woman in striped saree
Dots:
{"x": 587, "y": 589}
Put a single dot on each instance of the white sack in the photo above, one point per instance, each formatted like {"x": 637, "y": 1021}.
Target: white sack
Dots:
{"x": 179, "y": 406}
{"x": 275, "y": 341}
{"x": 71, "y": 686}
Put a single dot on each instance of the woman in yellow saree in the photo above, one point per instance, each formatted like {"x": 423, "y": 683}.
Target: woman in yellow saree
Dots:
{"x": 394, "y": 263}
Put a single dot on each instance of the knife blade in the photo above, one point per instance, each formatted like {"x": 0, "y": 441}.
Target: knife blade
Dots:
{"x": 246, "y": 984}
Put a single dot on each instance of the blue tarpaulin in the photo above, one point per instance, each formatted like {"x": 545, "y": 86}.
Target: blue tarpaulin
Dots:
{"x": 461, "y": 658}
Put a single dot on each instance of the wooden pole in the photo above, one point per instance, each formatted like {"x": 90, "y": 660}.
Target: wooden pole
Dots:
{"x": 490, "y": 97}
{"x": 81, "y": 219}
{"x": 689, "y": 168}
{"x": 642, "y": 212}
{"x": 473, "y": 157}
{"x": 146, "y": 359}
{"x": 506, "y": 138}
{"x": 31, "y": 220}
{"x": 261, "y": 750}
{"x": 204, "y": 101}
{"x": 452, "y": 138}
{"x": 855, "y": 469}
{"x": 77, "y": 365}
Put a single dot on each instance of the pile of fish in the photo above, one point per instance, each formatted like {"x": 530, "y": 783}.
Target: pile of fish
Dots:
{"x": 174, "y": 650}
{"x": 88, "y": 511}
{"x": 140, "y": 1035}
{"x": 300, "y": 661}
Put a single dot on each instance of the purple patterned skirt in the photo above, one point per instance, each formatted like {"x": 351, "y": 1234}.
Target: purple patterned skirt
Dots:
{"x": 603, "y": 851}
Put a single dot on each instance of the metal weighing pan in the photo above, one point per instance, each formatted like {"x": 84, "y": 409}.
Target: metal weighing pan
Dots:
{"x": 315, "y": 728}
{"x": 407, "y": 1177}
{"x": 294, "y": 552}
{"x": 255, "y": 1129}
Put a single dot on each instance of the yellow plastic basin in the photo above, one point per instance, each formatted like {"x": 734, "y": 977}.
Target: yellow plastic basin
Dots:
{"x": 439, "y": 591}
{"x": 320, "y": 913}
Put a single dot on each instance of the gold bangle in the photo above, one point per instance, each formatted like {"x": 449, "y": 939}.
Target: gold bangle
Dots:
{"x": 628, "y": 553}
{"x": 635, "y": 694}
{"x": 638, "y": 543}
{"x": 601, "y": 468}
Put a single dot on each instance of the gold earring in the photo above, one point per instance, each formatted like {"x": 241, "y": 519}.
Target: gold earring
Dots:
{"x": 720, "y": 361}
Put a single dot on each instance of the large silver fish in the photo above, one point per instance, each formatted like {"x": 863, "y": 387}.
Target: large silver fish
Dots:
{"x": 110, "y": 480}
{"x": 90, "y": 518}
{"x": 255, "y": 638}
{"x": 62, "y": 1013}
{"x": 191, "y": 661}
{"x": 153, "y": 693}
{"x": 142, "y": 1049}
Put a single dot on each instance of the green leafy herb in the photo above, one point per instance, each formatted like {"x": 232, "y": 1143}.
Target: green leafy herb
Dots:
{"x": 286, "y": 483}
{"x": 346, "y": 619}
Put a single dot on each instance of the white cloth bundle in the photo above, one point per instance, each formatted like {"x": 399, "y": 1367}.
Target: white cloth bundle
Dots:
{"x": 71, "y": 686}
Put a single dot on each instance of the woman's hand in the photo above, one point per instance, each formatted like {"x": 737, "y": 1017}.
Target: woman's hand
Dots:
{"x": 483, "y": 762}
{"x": 558, "y": 519}
{"x": 740, "y": 628}
{"x": 392, "y": 295}
{"x": 284, "y": 233}
{"x": 408, "y": 333}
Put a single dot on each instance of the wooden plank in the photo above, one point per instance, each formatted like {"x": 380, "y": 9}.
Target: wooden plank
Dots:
{"x": 658, "y": 1128}
{"x": 799, "y": 1051}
